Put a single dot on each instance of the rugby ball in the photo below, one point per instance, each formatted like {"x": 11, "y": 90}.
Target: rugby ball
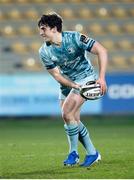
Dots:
{"x": 91, "y": 91}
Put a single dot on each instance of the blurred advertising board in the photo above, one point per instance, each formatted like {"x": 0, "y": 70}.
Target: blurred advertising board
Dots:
{"x": 120, "y": 96}
{"x": 27, "y": 95}
{"x": 34, "y": 95}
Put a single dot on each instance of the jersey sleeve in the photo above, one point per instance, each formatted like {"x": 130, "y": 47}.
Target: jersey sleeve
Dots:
{"x": 84, "y": 42}
{"x": 46, "y": 61}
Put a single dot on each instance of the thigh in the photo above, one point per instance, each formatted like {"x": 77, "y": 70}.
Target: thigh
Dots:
{"x": 77, "y": 113}
{"x": 62, "y": 102}
{"x": 72, "y": 103}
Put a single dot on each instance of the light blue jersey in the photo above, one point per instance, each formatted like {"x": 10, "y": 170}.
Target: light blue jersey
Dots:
{"x": 70, "y": 57}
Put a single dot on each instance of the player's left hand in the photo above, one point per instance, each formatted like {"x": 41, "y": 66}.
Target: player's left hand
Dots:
{"x": 103, "y": 85}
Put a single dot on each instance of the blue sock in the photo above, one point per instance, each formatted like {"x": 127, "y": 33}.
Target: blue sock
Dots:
{"x": 85, "y": 139}
{"x": 72, "y": 134}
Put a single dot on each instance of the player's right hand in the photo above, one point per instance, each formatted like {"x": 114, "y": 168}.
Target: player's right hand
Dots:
{"x": 77, "y": 86}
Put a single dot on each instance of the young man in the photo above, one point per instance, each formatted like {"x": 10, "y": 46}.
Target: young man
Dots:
{"x": 63, "y": 55}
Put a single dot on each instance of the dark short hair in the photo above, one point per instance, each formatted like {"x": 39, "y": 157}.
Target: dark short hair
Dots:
{"x": 52, "y": 20}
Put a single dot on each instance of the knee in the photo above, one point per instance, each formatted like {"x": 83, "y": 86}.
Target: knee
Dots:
{"x": 67, "y": 117}
{"x": 77, "y": 118}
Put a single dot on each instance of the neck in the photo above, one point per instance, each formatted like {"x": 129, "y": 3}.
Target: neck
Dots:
{"x": 57, "y": 39}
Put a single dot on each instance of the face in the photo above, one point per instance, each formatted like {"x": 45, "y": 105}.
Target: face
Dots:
{"x": 46, "y": 32}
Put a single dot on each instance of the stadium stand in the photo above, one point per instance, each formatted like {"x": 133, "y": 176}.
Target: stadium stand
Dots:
{"x": 15, "y": 14}
{"x": 85, "y": 13}
{"x": 9, "y": 31}
{"x": 119, "y": 12}
{"x": 96, "y": 28}
{"x": 129, "y": 27}
{"x": 67, "y": 13}
{"x": 125, "y": 44}
{"x": 26, "y": 30}
{"x": 109, "y": 44}
{"x": 113, "y": 28}
{"x": 110, "y": 22}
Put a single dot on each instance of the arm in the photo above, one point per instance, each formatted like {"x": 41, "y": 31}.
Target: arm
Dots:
{"x": 101, "y": 52}
{"x": 61, "y": 79}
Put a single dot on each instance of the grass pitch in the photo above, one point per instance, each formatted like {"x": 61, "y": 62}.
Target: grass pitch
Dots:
{"x": 36, "y": 149}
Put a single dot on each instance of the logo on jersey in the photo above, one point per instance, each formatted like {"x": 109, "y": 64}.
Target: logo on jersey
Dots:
{"x": 84, "y": 38}
{"x": 70, "y": 50}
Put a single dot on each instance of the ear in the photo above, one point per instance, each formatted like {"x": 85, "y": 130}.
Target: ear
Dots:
{"x": 54, "y": 29}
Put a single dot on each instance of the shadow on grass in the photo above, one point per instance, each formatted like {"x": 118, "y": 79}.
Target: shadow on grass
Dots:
{"x": 51, "y": 173}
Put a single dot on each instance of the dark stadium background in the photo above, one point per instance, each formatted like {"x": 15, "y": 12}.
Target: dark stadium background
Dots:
{"x": 29, "y": 109}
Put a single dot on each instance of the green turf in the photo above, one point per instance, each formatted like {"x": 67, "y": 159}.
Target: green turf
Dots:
{"x": 36, "y": 149}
